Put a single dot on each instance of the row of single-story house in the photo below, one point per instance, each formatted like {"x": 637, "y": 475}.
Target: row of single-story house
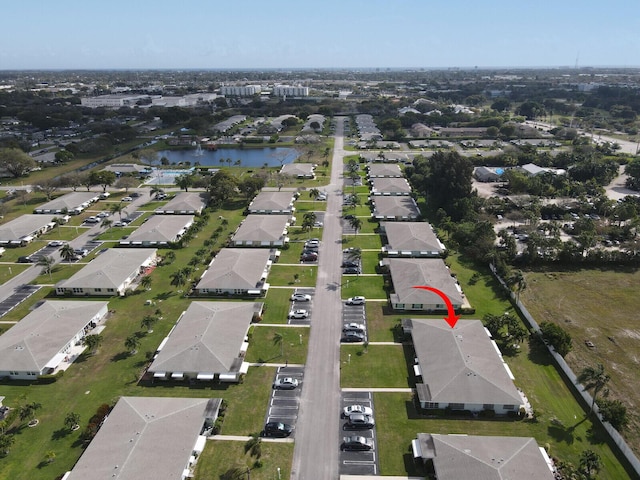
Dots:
{"x": 72, "y": 203}
{"x": 149, "y": 437}
{"x": 274, "y": 202}
{"x": 26, "y": 228}
{"x": 159, "y": 231}
{"x": 185, "y": 203}
{"x": 44, "y": 339}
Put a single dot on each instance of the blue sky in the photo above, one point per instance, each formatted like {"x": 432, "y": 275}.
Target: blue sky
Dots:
{"x": 241, "y": 34}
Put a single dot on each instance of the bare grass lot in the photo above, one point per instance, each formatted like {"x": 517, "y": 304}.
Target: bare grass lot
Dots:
{"x": 600, "y": 306}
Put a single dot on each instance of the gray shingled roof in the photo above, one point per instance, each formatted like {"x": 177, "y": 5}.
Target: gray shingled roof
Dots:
{"x": 261, "y": 228}
{"x": 461, "y": 365}
{"x": 390, "y": 184}
{"x": 161, "y": 228}
{"x": 109, "y": 269}
{"x": 69, "y": 201}
{"x": 145, "y": 437}
{"x": 235, "y": 268}
{"x": 185, "y": 202}
{"x": 411, "y": 236}
{"x": 269, "y": 200}
{"x": 32, "y": 342}
{"x": 23, "y": 226}
{"x": 409, "y": 272}
{"x": 207, "y": 338}
{"x": 457, "y": 457}
{"x": 384, "y": 170}
{"x": 395, "y": 206}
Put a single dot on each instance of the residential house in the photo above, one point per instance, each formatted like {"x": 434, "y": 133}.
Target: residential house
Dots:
{"x": 208, "y": 342}
{"x": 531, "y": 169}
{"x": 185, "y": 203}
{"x": 72, "y": 203}
{"x": 410, "y": 239}
{"x": 237, "y": 271}
{"x": 395, "y": 208}
{"x": 43, "y": 340}
{"x": 299, "y": 170}
{"x": 109, "y": 274}
{"x": 461, "y": 368}
{"x": 149, "y": 437}
{"x": 488, "y": 174}
{"x": 159, "y": 231}
{"x": 391, "y": 170}
{"x": 409, "y": 272}
{"x": 262, "y": 231}
{"x": 26, "y": 228}
{"x": 273, "y": 202}
{"x": 453, "y": 457}
{"x": 390, "y": 186}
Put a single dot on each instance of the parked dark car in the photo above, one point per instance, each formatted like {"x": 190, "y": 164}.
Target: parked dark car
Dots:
{"x": 309, "y": 257}
{"x": 351, "y": 271}
{"x": 349, "y": 217}
{"x": 25, "y": 260}
{"x": 357, "y": 443}
{"x": 277, "y": 429}
{"x": 349, "y": 264}
{"x": 352, "y": 337}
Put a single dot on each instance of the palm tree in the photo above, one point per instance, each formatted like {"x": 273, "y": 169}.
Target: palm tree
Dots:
{"x": 29, "y": 410}
{"x": 92, "y": 342}
{"x": 47, "y": 263}
{"x": 308, "y": 221}
{"x": 517, "y": 282}
{"x": 313, "y": 193}
{"x": 178, "y": 279}
{"x": 131, "y": 343}
{"x": 72, "y": 420}
{"x": 278, "y": 339}
{"x": 590, "y": 463}
{"x": 355, "y": 255}
{"x": 356, "y": 224}
{"x": 594, "y": 378}
{"x": 106, "y": 223}
{"x": 254, "y": 446}
{"x": 118, "y": 208}
{"x": 145, "y": 282}
{"x": 148, "y": 322}
{"x": 5, "y": 443}
{"x": 237, "y": 163}
{"x": 67, "y": 252}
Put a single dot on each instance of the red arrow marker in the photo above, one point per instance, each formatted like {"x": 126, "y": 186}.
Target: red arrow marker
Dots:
{"x": 451, "y": 317}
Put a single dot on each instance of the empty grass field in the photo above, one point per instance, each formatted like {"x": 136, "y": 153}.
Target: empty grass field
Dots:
{"x": 600, "y": 306}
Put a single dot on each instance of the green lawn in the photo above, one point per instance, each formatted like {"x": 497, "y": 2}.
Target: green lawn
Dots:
{"x": 369, "y": 225}
{"x": 7, "y": 272}
{"x": 277, "y": 305}
{"x": 220, "y": 456}
{"x": 60, "y": 271}
{"x": 265, "y": 348}
{"x": 397, "y": 423}
{"x": 284, "y": 275}
{"x": 358, "y": 211}
{"x": 370, "y": 261}
{"x": 291, "y": 254}
{"x": 381, "y": 366}
{"x": 364, "y": 241}
{"x": 111, "y": 372}
{"x": 370, "y": 286}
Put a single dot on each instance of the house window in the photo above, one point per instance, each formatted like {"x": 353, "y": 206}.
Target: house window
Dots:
{"x": 400, "y": 306}
{"x": 509, "y": 407}
{"x": 456, "y": 406}
{"x": 97, "y": 289}
{"x": 416, "y": 306}
{"x": 78, "y": 290}
{"x": 110, "y": 290}
{"x": 488, "y": 406}
{"x": 431, "y": 405}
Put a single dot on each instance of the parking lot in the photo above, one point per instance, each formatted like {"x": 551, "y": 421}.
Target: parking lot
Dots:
{"x": 19, "y": 296}
{"x": 308, "y": 306}
{"x": 357, "y": 462}
{"x": 284, "y": 404}
{"x": 354, "y": 314}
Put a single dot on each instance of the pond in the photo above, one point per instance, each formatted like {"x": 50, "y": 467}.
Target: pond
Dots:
{"x": 249, "y": 157}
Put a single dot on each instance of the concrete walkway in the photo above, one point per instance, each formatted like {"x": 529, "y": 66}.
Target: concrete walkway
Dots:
{"x": 240, "y": 438}
{"x": 379, "y": 390}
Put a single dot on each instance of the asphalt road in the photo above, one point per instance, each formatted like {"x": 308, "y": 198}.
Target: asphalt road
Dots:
{"x": 12, "y": 286}
{"x": 316, "y": 451}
